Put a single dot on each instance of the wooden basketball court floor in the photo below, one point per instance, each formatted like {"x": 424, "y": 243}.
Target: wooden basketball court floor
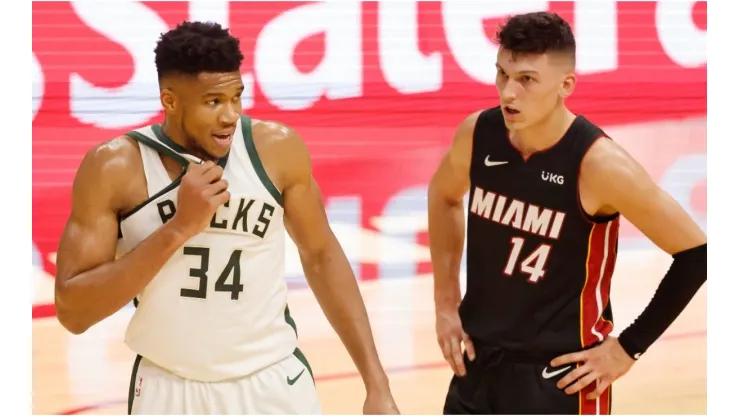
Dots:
{"x": 89, "y": 373}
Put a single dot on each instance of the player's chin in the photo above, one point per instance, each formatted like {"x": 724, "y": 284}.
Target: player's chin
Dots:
{"x": 220, "y": 145}
{"x": 514, "y": 124}
{"x": 214, "y": 152}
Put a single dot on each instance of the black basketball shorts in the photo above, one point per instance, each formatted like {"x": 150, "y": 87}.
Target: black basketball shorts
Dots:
{"x": 499, "y": 384}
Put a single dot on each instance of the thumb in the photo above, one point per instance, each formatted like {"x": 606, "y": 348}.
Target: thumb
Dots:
{"x": 192, "y": 165}
{"x": 469, "y": 348}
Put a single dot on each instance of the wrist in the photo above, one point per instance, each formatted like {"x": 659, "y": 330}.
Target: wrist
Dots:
{"x": 446, "y": 294}
{"x": 630, "y": 347}
{"x": 445, "y": 303}
{"x": 177, "y": 231}
{"x": 376, "y": 382}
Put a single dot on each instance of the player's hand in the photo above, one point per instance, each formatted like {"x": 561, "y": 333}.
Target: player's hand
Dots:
{"x": 201, "y": 192}
{"x": 603, "y": 365}
{"x": 450, "y": 335}
{"x": 380, "y": 404}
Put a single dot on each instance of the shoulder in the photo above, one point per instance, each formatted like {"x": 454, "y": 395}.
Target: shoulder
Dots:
{"x": 282, "y": 150}
{"x": 466, "y": 128}
{"x": 609, "y": 168}
{"x": 277, "y": 139}
{"x": 471, "y": 120}
{"x": 106, "y": 171}
{"x": 273, "y": 134}
{"x": 114, "y": 157}
{"x": 462, "y": 142}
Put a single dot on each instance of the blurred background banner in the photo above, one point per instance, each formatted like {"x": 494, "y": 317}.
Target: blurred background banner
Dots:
{"x": 376, "y": 90}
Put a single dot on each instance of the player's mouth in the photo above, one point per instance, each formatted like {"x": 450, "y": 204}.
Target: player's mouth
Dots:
{"x": 510, "y": 111}
{"x": 224, "y": 139}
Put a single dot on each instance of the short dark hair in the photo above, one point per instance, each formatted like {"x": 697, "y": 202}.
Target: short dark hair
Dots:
{"x": 537, "y": 33}
{"x": 195, "y": 47}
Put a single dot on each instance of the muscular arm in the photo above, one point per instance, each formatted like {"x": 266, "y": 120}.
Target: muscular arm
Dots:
{"x": 327, "y": 269}
{"x": 620, "y": 184}
{"x": 446, "y": 217}
{"x": 90, "y": 284}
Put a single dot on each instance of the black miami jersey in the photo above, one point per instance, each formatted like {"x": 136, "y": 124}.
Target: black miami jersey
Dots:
{"x": 538, "y": 267}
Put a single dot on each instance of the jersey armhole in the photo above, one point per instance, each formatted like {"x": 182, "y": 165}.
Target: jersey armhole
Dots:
{"x": 145, "y": 141}
{"x": 490, "y": 116}
{"x": 256, "y": 162}
{"x": 593, "y": 219}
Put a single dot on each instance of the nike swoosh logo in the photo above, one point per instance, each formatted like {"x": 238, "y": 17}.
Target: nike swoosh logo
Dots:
{"x": 491, "y": 163}
{"x": 292, "y": 381}
{"x": 552, "y": 374}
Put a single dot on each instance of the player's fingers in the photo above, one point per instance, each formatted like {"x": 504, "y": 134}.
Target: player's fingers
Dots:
{"x": 204, "y": 166}
{"x": 192, "y": 166}
{"x": 196, "y": 170}
{"x": 581, "y": 384}
{"x": 444, "y": 345}
{"x": 457, "y": 357}
{"x": 574, "y": 357}
{"x": 217, "y": 187}
{"x": 573, "y": 375}
{"x": 213, "y": 173}
{"x": 469, "y": 347}
{"x": 601, "y": 385}
{"x": 442, "y": 342}
{"x": 221, "y": 198}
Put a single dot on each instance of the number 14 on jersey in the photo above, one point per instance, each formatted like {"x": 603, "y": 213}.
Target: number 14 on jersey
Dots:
{"x": 533, "y": 264}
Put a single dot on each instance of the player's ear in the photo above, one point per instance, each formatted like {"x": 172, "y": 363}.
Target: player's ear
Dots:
{"x": 568, "y": 85}
{"x": 167, "y": 98}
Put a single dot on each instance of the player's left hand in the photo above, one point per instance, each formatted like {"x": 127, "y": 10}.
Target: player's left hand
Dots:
{"x": 378, "y": 403}
{"x": 603, "y": 364}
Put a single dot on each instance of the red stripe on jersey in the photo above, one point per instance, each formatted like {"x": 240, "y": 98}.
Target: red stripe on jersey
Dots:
{"x": 600, "y": 406}
{"x": 595, "y": 293}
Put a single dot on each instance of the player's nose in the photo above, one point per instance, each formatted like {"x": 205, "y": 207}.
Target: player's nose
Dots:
{"x": 508, "y": 93}
{"x": 229, "y": 115}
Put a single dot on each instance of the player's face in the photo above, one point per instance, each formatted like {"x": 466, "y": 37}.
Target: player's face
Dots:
{"x": 208, "y": 108}
{"x": 530, "y": 87}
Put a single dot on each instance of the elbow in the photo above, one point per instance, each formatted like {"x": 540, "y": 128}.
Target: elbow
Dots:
{"x": 71, "y": 323}
{"x": 75, "y": 329}
{"x": 316, "y": 258}
{"x": 432, "y": 192}
{"x": 69, "y": 318}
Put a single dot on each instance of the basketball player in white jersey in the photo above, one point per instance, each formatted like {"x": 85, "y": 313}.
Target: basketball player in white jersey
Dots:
{"x": 187, "y": 219}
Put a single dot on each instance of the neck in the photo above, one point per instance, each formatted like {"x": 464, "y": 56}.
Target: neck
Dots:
{"x": 178, "y": 137}
{"x": 174, "y": 134}
{"x": 544, "y": 134}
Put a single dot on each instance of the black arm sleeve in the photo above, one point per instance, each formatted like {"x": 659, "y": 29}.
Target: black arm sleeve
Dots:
{"x": 686, "y": 276}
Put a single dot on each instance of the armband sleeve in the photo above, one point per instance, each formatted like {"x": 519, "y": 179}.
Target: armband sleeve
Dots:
{"x": 685, "y": 277}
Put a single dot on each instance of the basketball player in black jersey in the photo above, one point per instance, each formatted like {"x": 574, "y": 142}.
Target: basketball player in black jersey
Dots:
{"x": 547, "y": 191}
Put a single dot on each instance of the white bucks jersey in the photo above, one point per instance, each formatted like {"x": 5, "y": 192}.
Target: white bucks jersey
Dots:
{"x": 218, "y": 308}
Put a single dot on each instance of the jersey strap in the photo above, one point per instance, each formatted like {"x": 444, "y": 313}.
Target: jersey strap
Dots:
{"x": 256, "y": 162}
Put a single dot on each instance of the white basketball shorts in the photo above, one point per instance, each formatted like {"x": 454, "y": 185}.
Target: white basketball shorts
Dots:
{"x": 286, "y": 387}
